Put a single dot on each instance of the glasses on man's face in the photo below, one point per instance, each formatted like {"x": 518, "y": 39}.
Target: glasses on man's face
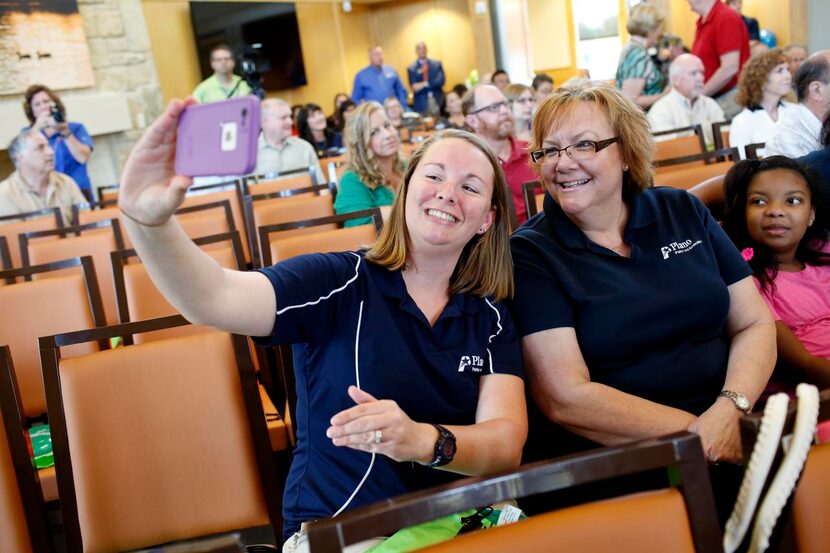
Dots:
{"x": 584, "y": 149}
{"x": 222, "y": 59}
{"x": 492, "y": 108}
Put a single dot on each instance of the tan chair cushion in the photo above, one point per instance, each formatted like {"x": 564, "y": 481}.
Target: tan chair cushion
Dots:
{"x": 678, "y": 147}
{"x": 48, "y": 484}
{"x": 346, "y": 239}
{"x": 96, "y": 243}
{"x": 687, "y": 177}
{"x": 14, "y": 532}
{"x": 287, "y": 210}
{"x": 160, "y": 444}
{"x": 649, "y": 522}
{"x": 236, "y": 209}
{"x": 12, "y": 230}
{"x": 277, "y": 428}
{"x": 811, "y": 505}
{"x": 41, "y": 308}
{"x": 278, "y": 185}
{"x": 204, "y": 223}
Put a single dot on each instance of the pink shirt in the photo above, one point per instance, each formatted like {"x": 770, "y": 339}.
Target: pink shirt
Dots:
{"x": 802, "y": 302}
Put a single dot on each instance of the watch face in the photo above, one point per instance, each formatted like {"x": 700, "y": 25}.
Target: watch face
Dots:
{"x": 742, "y": 402}
{"x": 448, "y": 448}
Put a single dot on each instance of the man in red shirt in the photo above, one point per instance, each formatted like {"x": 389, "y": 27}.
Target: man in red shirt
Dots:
{"x": 487, "y": 113}
{"x": 722, "y": 43}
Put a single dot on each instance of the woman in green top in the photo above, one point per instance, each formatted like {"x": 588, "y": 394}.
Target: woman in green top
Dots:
{"x": 375, "y": 167}
{"x": 638, "y": 76}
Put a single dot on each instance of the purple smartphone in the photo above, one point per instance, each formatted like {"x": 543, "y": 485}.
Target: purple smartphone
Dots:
{"x": 218, "y": 138}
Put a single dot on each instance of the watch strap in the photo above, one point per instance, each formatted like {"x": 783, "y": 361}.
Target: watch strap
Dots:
{"x": 444, "y": 447}
{"x": 741, "y": 402}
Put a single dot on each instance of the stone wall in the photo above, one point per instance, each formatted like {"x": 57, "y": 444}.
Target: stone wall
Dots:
{"x": 122, "y": 62}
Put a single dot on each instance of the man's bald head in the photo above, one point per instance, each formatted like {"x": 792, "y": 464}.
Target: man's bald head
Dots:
{"x": 686, "y": 75}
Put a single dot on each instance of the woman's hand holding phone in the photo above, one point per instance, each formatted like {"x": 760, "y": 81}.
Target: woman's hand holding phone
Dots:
{"x": 150, "y": 190}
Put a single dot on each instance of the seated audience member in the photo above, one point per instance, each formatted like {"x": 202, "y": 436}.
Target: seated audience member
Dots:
{"x": 375, "y": 166}
{"x": 520, "y": 98}
{"x": 69, "y": 140}
{"x": 500, "y": 79}
{"x": 460, "y": 89}
{"x": 637, "y": 75}
{"x": 452, "y": 114}
{"x": 798, "y": 134}
{"x": 277, "y": 150}
{"x": 295, "y": 119}
{"x": 796, "y": 53}
{"x": 685, "y": 104}
{"x": 542, "y": 86}
{"x": 34, "y": 184}
{"x": 379, "y": 332}
{"x": 777, "y": 215}
{"x": 345, "y": 110}
{"x": 819, "y": 160}
{"x": 394, "y": 111}
{"x": 764, "y": 82}
{"x": 669, "y": 47}
{"x": 313, "y": 129}
{"x": 334, "y": 121}
{"x": 487, "y": 113}
{"x": 638, "y": 316}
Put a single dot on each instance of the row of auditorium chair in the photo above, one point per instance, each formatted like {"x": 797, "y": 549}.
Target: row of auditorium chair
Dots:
{"x": 166, "y": 440}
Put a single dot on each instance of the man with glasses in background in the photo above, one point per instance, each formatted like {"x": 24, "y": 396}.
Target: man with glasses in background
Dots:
{"x": 223, "y": 84}
{"x": 487, "y": 113}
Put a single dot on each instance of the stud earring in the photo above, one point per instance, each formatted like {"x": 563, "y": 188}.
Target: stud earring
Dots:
{"x": 625, "y": 167}
{"x": 482, "y": 230}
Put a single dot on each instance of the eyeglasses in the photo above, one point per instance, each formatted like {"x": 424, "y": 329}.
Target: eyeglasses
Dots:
{"x": 492, "y": 108}
{"x": 523, "y": 101}
{"x": 584, "y": 149}
{"x": 221, "y": 59}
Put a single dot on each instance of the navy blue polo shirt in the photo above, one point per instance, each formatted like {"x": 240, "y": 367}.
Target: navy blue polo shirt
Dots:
{"x": 652, "y": 325}
{"x": 351, "y": 320}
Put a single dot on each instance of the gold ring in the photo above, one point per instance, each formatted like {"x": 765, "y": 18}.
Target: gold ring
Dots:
{"x": 378, "y": 436}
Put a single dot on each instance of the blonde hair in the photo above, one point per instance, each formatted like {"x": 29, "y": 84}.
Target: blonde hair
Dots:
{"x": 357, "y": 136}
{"x": 626, "y": 119}
{"x": 485, "y": 267}
{"x": 513, "y": 91}
{"x": 643, "y": 19}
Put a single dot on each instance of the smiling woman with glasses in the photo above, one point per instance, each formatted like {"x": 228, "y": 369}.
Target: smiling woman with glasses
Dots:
{"x": 638, "y": 316}
{"x": 520, "y": 98}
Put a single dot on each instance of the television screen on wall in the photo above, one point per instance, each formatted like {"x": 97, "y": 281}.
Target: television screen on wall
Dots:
{"x": 264, "y": 36}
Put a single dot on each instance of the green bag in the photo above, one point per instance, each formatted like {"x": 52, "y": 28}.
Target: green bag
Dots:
{"x": 438, "y": 530}
{"x": 41, "y": 438}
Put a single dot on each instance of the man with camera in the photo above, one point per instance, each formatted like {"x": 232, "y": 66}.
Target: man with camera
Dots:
{"x": 223, "y": 84}
{"x": 70, "y": 141}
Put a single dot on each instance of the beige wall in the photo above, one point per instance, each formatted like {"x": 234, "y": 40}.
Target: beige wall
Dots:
{"x": 335, "y": 44}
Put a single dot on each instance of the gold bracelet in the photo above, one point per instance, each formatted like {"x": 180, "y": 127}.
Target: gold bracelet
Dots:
{"x": 142, "y": 223}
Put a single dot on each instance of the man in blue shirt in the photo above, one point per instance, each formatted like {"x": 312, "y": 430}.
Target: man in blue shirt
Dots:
{"x": 426, "y": 77}
{"x": 378, "y": 81}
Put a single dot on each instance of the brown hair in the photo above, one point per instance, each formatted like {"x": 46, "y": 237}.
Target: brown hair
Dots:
{"x": 30, "y": 93}
{"x": 626, "y": 119}
{"x": 361, "y": 157}
{"x": 754, "y": 76}
{"x": 485, "y": 267}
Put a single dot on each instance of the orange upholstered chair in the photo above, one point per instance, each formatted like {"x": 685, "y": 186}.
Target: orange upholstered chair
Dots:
{"x": 23, "y": 527}
{"x": 186, "y": 452}
{"x": 11, "y": 226}
{"x": 678, "y": 519}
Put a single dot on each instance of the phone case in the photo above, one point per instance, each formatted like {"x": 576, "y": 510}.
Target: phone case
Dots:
{"x": 218, "y": 138}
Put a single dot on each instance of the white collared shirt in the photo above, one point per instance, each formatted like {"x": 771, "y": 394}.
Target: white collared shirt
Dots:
{"x": 754, "y": 126}
{"x": 796, "y": 135}
{"x": 674, "y": 111}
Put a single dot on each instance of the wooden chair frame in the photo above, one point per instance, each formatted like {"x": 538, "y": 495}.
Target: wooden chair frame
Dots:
{"x": 249, "y": 200}
{"x": 529, "y": 196}
{"x": 682, "y": 451}
{"x": 99, "y": 190}
{"x": 50, "y": 358}
{"x": 90, "y": 206}
{"x": 121, "y": 257}
{"x": 62, "y": 232}
{"x": 751, "y": 150}
{"x": 708, "y": 158}
{"x": 5, "y": 256}
{"x": 697, "y": 129}
{"x": 717, "y": 133}
{"x": 269, "y": 176}
{"x": 11, "y": 409}
{"x": 54, "y": 211}
{"x": 266, "y": 231}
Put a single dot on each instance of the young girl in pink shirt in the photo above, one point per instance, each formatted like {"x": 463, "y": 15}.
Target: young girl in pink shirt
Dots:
{"x": 777, "y": 215}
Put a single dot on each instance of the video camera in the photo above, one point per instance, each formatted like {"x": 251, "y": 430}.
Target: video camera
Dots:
{"x": 57, "y": 114}
{"x": 253, "y": 64}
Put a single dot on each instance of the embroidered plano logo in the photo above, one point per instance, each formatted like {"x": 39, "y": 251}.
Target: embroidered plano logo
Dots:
{"x": 474, "y": 362}
{"x": 679, "y": 247}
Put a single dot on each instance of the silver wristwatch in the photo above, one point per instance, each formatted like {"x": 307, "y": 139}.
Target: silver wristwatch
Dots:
{"x": 741, "y": 401}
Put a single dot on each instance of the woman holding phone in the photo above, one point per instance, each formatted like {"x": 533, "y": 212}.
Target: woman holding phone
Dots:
{"x": 422, "y": 382}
